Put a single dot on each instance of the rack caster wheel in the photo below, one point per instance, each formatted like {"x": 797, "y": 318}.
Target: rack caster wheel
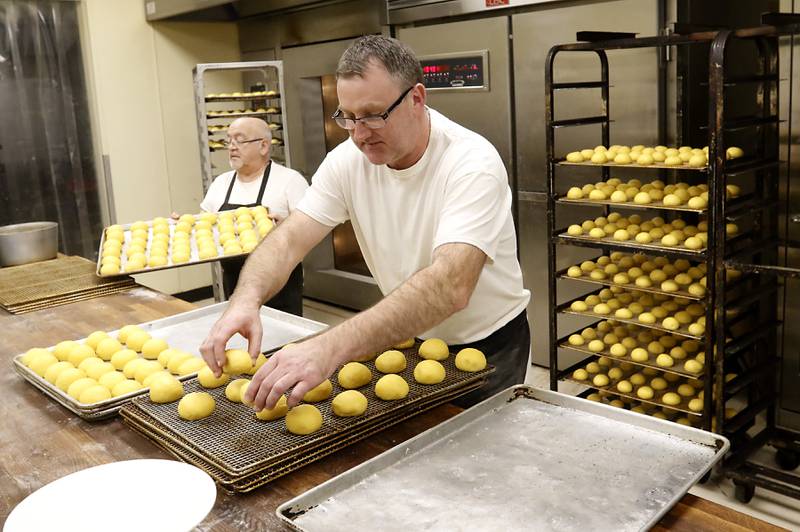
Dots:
{"x": 743, "y": 492}
{"x": 787, "y": 460}
{"x": 704, "y": 478}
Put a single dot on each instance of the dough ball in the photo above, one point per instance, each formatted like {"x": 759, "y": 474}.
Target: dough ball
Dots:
{"x": 671, "y": 398}
{"x": 734, "y": 153}
{"x": 67, "y": 377}
{"x": 196, "y": 405}
{"x": 615, "y": 373}
{"x": 580, "y": 374}
{"x": 303, "y": 419}
{"x": 696, "y": 405}
{"x": 207, "y": 379}
{"x": 693, "y": 366}
{"x": 79, "y": 353}
{"x": 107, "y": 347}
{"x": 664, "y": 360}
{"x": 153, "y": 347}
{"x": 658, "y": 384}
{"x": 578, "y": 306}
{"x": 123, "y": 333}
{"x": 319, "y": 393}
{"x": 596, "y": 346}
{"x": 52, "y": 372}
{"x": 391, "y": 361}
{"x": 470, "y": 359}
{"x": 406, "y": 344}
{"x": 61, "y": 350}
{"x": 673, "y": 160}
{"x": 599, "y": 158}
{"x": 574, "y": 230}
{"x": 686, "y": 390}
{"x": 391, "y": 387}
{"x": 145, "y": 369}
{"x": 176, "y": 360}
{"x": 94, "y": 394}
{"x": 354, "y": 375}
{"x": 96, "y": 371}
{"x": 639, "y": 355}
{"x": 429, "y": 372}
{"x": 697, "y": 329}
{"x": 644, "y": 392}
{"x": 349, "y": 404}
{"x": 237, "y": 362}
{"x": 41, "y": 362}
{"x": 624, "y": 387}
{"x": 575, "y": 339}
{"x": 79, "y": 386}
{"x": 111, "y": 379}
{"x": 191, "y": 365}
{"x": 260, "y": 361}
{"x": 93, "y": 340}
{"x": 600, "y": 380}
{"x": 136, "y": 340}
{"x": 575, "y": 157}
{"x": 234, "y": 390}
{"x": 122, "y": 357}
{"x": 125, "y": 387}
{"x": 434, "y": 349}
{"x": 165, "y": 389}
{"x": 271, "y": 414}
{"x": 671, "y": 324}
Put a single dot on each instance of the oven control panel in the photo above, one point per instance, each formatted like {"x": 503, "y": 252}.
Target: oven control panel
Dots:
{"x": 467, "y": 71}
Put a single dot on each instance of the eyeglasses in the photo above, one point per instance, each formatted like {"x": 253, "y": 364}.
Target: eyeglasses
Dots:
{"x": 233, "y": 142}
{"x": 371, "y": 121}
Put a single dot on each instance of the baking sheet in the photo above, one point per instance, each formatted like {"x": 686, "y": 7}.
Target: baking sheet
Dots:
{"x": 525, "y": 459}
{"x": 184, "y": 331}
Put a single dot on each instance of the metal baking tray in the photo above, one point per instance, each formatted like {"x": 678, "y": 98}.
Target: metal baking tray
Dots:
{"x": 629, "y": 204}
{"x": 524, "y": 459}
{"x": 184, "y": 331}
{"x": 194, "y": 257}
{"x": 654, "y": 166}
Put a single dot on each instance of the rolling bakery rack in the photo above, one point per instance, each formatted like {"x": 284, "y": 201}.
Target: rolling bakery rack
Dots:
{"x": 740, "y": 307}
{"x": 215, "y": 112}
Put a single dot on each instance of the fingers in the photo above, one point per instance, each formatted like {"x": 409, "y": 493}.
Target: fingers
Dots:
{"x": 254, "y": 335}
{"x": 258, "y": 378}
{"x": 299, "y": 391}
{"x": 279, "y": 388}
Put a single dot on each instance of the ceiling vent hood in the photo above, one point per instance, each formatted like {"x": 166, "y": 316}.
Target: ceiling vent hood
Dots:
{"x": 405, "y": 11}
{"x": 227, "y": 10}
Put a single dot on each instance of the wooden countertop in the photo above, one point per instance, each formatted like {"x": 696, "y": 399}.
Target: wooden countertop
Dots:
{"x": 42, "y": 441}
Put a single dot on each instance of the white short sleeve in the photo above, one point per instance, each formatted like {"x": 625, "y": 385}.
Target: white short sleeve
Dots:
{"x": 325, "y": 201}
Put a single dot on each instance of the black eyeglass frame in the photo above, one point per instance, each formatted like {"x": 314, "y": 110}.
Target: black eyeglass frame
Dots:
{"x": 228, "y": 143}
{"x": 343, "y": 122}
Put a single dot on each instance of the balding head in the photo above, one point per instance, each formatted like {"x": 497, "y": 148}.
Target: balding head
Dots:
{"x": 252, "y": 138}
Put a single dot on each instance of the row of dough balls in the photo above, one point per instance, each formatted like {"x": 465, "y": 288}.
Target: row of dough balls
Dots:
{"x": 655, "y": 230}
{"x": 641, "y": 345}
{"x": 251, "y": 226}
{"x": 671, "y": 313}
{"x": 650, "y": 409}
{"x": 646, "y": 156}
{"x": 224, "y": 112}
{"x": 268, "y": 94}
{"x": 644, "y": 384}
{"x": 672, "y": 195}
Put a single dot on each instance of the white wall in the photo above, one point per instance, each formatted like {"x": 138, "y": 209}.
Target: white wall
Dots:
{"x": 140, "y": 88}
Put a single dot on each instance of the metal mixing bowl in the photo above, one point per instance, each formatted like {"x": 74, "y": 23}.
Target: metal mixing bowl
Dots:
{"x": 28, "y": 242}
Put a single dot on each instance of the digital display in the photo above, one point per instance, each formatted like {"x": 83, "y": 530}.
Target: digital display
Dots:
{"x": 453, "y": 72}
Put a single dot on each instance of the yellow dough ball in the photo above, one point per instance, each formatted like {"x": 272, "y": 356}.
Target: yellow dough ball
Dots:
{"x": 624, "y": 387}
{"x": 580, "y": 374}
{"x": 153, "y": 347}
{"x": 429, "y": 372}
{"x": 575, "y": 193}
{"x": 207, "y": 379}
{"x": 79, "y": 353}
{"x": 94, "y": 339}
{"x": 79, "y": 386}
{"x": 107, "y": 347}
{"x": 599, "y": 158}
{"x": 406, "y": 344}
{"x": 165, "y": 389}
{"x": 696, "y": 405}
{"x": 391, "y": 361}
{"x": 191, "y": 365}
{"x": 671, "y": 398}
{"x": 686, "y": 390}
{"x": 277, "y": 412}
{"x": 176, "y": 361}
{"x": 122, "y": 357}
{"x": 136, "y": 340}
{"x": 125, "y": 387}
{"x": 303, "y": 419}
{"x": 234, "y": 390}
{"x": 94, "y": 394}
{"x": 693, "y": 366}
{"x": 575, "y": 339}
{"x": 67, "y": 377}
{"x": 354, "y": 375}
{"x": 52, "y": 372}
{"x": 237, "y": 361}
{"x": 391, "y": 387}
{"x": 434, "y": 349}
{"x": 470, "y": 359}
{"x": 61, "y": 350}
{"x": 41, "y": 362}
{"x": 645, "y": 159}
{"x": 644, "y": 392}
{"x": 578, "y": 306}
{"x": 639, "y": 355}
{"x": 575, "y": 157}
{"x": 96, "y": 371}
{"x": 132, "y": 366}
{"x": 145, "y": 369}
{"x": 349, "y": 404}
{"x": 196, "y": 405}
{"x": 600, "y": 380}
{"x": 319, "y": 393}
{"x": 111, "y": 379}
{"x": 734, "y": 153}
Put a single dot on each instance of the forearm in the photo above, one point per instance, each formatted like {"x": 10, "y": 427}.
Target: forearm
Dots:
{"x": 426, "y": 299}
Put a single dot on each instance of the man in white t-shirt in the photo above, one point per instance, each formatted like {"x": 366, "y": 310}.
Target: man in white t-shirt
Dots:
{"x": 257, "y": 180}
{"x": 431, "y": 208}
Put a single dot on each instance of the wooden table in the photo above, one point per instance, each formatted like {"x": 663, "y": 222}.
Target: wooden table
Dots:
{"x": 41, "y": 441}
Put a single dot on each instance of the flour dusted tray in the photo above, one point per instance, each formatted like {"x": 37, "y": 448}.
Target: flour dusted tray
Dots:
{"x": 184, "y": 331}
{"x": 524, "y": 459}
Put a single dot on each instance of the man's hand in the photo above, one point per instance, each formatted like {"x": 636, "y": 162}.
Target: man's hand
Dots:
{"x": 301, "y": 366}
{"x": 238, "y": 318}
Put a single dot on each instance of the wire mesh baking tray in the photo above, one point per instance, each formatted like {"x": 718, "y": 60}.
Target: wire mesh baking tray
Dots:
{"x": 184, "y": 331}
{"x": 524, "y": 459}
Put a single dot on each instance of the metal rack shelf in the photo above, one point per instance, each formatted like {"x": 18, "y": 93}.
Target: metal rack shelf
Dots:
{"x": 654, "y": 166}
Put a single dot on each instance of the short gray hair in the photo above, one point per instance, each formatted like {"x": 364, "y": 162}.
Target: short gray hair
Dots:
{"x": 396, "y": 57}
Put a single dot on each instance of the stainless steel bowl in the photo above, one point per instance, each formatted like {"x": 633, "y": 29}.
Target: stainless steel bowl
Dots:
{"x": 29, "y": 242}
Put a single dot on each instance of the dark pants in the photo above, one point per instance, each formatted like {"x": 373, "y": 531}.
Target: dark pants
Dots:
{"x": 507, "y": 349}
{"x": 289, "y": 299}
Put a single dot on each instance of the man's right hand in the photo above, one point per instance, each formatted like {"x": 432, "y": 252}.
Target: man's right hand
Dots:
{"x": 241, "y": 319}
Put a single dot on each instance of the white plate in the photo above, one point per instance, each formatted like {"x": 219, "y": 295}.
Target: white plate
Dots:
{"x": 135, "y": 495}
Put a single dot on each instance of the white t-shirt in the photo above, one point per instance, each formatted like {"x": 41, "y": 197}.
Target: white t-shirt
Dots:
{"x": 457, "y": 192}
{"x": 285, "y": 187}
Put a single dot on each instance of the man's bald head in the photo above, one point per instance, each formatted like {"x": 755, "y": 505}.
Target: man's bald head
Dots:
{"x": 249, "y": 143}
{"x": 256, "y": 127}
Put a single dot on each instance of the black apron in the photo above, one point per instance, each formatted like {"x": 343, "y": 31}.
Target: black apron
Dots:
{"x": 290, "y": 297}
